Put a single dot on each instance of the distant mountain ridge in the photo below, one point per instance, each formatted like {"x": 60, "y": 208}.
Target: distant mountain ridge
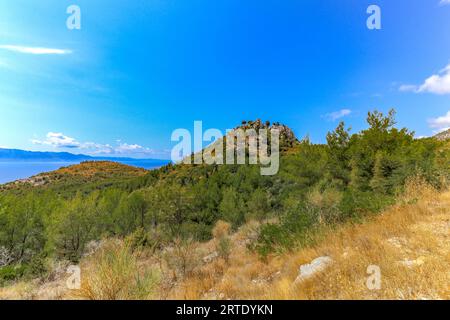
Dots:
{"x": 45, "y": 156}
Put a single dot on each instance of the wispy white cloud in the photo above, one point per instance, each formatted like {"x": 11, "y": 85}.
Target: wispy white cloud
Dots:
{"x": 119, "y": 149}
{"x": 444, "y": 2}
{"x": 438, "y": 83}
{"x": 61, "y": 141}
{"x": 333, "y": 116}
{"x": 440, "y": 124}
{"x": 408, "y": 88}
{"x": 131, "y": 148}
{"x": 58, "y": 140}
{"x": 34, "y": 50}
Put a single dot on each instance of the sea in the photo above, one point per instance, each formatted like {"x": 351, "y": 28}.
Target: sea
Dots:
{"x": 11, "y": 171}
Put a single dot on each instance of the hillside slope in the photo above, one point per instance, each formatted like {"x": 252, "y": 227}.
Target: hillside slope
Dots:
{"x": 79, "y": 174}
{"x": 410, "y": 243}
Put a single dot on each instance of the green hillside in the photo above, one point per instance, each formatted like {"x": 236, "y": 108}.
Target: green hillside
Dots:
{"x": 86, "y": 176}
{"x": 351, "y": 176}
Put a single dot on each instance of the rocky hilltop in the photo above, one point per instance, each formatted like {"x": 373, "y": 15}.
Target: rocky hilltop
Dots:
{"x": 445, "y": 135}
{"x": 287, "y": 136}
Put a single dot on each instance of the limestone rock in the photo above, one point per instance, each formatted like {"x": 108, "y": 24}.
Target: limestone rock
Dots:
{"x": 308, "y": 270}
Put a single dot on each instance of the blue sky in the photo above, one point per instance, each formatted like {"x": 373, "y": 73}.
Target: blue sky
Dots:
{"x": 137, "y": 70}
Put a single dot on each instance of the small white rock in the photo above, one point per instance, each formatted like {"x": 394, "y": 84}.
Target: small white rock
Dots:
{"x": 209, "y": 258}
{"x": 317, "y": 265}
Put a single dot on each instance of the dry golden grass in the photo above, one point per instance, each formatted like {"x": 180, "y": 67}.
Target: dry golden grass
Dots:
{"x": 113, "y": 273}
{"x": 19, "y": 291}
{"x": 221, "y": 229}
{"x": 90, "y": 168}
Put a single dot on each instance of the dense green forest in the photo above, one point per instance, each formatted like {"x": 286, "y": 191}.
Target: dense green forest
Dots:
{"x": 349, "y": 177}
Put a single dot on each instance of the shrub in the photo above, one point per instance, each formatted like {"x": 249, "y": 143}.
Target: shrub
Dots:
{"x": 182, "y": 258}
{"x": 38, "y": 266}
{"x": 293, "y": 230}
{"x": 258, "y": 205}
{"x": 114, "y": 274}
{"x": 196, "y": 231}
{"x": 231, "y": 207}
{"x": 417, "y": 187}
{"x": 11, "y": 273}
{"x": 224, "y": 248}
{"x": 221, "y": 229}
{"x": 137, "y": 239}
{"x": 327, "y": 204}
{"x": 270, "y": 236}
{"x": 221, "y": 233}
{"x": 356, "y": 204}
{"x": 5, "y": 257}
{"x": 142, "y": 239}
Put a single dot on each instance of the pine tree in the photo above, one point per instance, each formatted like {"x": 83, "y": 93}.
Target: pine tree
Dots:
{"x": 357, "y": 179}
{"x": 377, "y": 183}
{"x": 230, "y": 207}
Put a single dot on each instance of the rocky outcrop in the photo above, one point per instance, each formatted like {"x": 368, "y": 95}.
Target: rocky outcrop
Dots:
{"x": 287, "y": 136}
{"x": 445, "y": 135}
